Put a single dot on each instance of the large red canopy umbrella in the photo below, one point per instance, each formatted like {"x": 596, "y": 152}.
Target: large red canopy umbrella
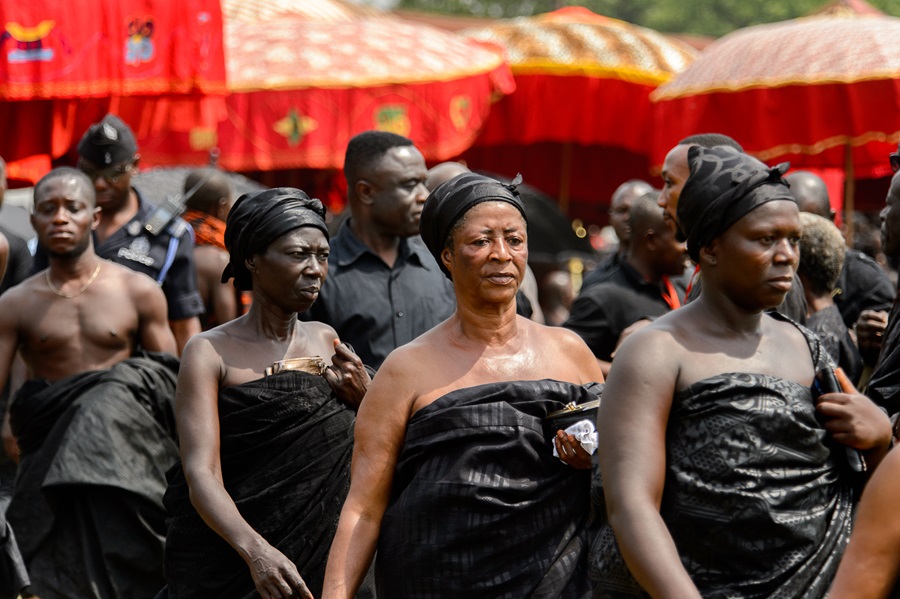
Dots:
{"x": 821, "y": 92}
{"x": 578, "y": 123}
{"x": 301, "y": 88}
{"x": 64, "y": 65}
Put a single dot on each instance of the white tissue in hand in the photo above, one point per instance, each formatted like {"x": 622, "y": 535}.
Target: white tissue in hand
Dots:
{"x": 585, "y": 433}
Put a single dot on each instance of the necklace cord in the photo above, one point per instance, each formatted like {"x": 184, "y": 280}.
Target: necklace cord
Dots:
{"x": 77, "y": 293}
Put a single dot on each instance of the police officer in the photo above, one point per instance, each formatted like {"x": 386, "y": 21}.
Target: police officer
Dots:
{"x": 108, "y": 154}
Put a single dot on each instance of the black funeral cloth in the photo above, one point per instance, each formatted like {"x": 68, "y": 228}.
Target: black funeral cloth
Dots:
{"x": 286, "y": 444}
{"x": 884, "y": 386}
{"x": 829, "y": 326}
{"x": 87, "y": 506}
{"x": 479, "y": 505}
{"x": 753, "y": 497}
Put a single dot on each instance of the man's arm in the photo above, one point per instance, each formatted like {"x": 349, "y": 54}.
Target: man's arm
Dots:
{"x": 9, "y": 341}
{"x": 182, "y": 330}
{"x": 631, "y": 426}
{"x": 153, "y": 328}
{"x": 180, "y": 288}
{"x": 378, "y": 438}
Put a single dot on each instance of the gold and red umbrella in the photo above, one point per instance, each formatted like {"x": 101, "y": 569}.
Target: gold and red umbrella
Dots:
{"x": 821, "y": 92}
{"x": 302, "y": 87}
{"x": 64, "y": 65}
{"x": 578, "y": 123}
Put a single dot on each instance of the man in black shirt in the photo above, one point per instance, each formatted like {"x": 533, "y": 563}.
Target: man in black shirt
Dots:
{"x": 884, "y": 386}
{"x": 619, "y": 211}
{"x": 383, "y": 288}
{"x": 862, "y": 284}
{"x": 108, "y": 154}
{"x": 638, "y": 288}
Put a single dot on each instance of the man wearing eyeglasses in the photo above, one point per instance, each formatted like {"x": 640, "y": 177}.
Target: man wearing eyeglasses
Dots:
{"x": 108, "y": 155}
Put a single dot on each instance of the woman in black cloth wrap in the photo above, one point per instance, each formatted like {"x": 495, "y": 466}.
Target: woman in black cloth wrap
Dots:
{"x": 721, "y": 473}
{"x": 265, "y": 462}
{"x": 454, "y": 481}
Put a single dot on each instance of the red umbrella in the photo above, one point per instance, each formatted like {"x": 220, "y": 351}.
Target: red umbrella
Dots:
{"x": 302, "y": 88}
{"x": 822, "y": 92}
{"x": 578, "y": 123}
{"x": 64, "y": 65}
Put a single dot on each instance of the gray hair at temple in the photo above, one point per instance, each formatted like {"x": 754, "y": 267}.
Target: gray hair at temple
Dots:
{"x": 822, "y": 251}
{"x": 724, "y": 185}
{"x": 448, "y": 204}
{"x": 259, "y": 218}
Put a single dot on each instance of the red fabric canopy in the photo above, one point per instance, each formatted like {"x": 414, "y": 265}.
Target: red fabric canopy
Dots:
{"x": 159, "y": 65}
{"x": 803, "y": 90}
{"x": 578, "y": 124}
{"x": 296, "y": 104}
{"x": 54, "y": 49}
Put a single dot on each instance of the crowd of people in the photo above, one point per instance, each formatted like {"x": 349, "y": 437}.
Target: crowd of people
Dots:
{"x": 247, "y": 402}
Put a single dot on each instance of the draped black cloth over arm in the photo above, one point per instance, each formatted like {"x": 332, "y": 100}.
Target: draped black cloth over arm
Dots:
{"x": 884, "y": 386}
{"x": 87, "y": 506}
{"x": 286, "y": 444}
{"x": 480, "y": 507}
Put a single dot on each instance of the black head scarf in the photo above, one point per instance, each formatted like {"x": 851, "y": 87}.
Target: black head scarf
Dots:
{"x": 723, "y": 186}
{"x": 452, "y": 199}
{"x": 259, "y": 218}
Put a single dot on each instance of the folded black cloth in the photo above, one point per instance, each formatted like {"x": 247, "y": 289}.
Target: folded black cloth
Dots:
{"x": 479, "y": 506}
{"x": 87, "y": 506}
{"x": 286, "y": 444}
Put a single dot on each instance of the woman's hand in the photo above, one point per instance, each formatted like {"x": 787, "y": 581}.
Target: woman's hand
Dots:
{"x": 854, "y": 420}
{"x": 571, "y": 452}
{"x": 347, "y": 375}
{"x": 275, "y": 576}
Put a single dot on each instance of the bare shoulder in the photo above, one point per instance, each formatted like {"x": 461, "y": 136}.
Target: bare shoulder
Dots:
{"x": 657, "y": 345}
{"x": 22, "y": 299}
{"x": 787, "y": 332}
{"x": 134, "y": 279}
{"x": 203, "y": 351}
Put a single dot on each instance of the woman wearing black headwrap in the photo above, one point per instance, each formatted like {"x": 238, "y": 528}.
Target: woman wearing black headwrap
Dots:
{"x": 722, "y": 476}
{"x": 454, "y": 480}
{"x": 265, "y": 444}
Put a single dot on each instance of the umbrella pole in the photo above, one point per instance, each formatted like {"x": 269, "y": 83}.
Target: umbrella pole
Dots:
{"x": 848, "y": 194}
{"x": 565, "y": 179}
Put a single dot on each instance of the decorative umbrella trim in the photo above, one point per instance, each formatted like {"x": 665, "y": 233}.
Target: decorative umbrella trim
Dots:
{"x": 632, "y": 75}
{"x": 826, "y": 144}
{"x": 105, "y": 87}
{"x": 794, "y": 52}
{"x": 662, "y": 93}
{"x": 305, "y": 83}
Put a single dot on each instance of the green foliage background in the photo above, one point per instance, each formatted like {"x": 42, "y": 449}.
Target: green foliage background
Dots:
{"x": 705, "y": 17}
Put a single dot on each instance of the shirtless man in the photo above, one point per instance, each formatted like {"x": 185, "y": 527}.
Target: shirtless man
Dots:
{"x": 82, "y": 316}
{"x": 497, "y": 371}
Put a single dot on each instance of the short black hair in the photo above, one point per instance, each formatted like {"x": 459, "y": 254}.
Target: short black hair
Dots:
{"x": 65, "y": 172}
{"x": 366, "y": 149}
{"x": 206, "y": 198}
{"x": 710, "y": 140}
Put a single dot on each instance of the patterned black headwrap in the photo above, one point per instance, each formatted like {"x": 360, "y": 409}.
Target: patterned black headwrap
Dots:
{"x": 723, "y": 186}
{"x": 259, "y": 218}
{"x": 452, "y": 199}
